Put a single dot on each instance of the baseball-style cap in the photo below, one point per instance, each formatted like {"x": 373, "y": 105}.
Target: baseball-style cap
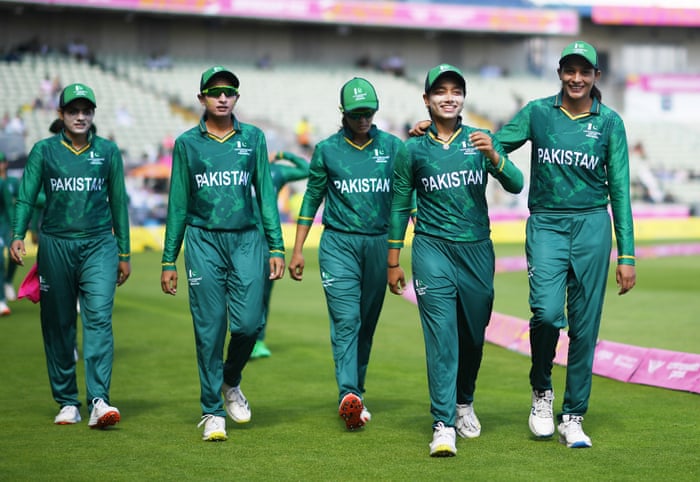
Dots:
{"x": 220, "y": 71}
{"x": 358, "y": 93}
{"x": 2, "y": 157}
{"x": 75, "y": 92}
{"x": 582, "y": 49}
{"x": 443, "y": 69}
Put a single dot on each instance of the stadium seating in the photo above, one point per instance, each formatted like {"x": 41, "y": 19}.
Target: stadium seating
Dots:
{"x": 163, "y": 103}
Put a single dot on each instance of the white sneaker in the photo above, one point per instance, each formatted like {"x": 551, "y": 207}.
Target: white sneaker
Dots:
{"x": 365, "y": 416}
{"x": 10, "y": 294}
{"x": 541, "y": 419}
{"x": 444, "y": 441}
{"x": 68, "y": 415}
{"x": 103, "y": 415}
{"x": 571, "y": 432}
{"x": 214, "y": 428}
{"x": 4, "y": 309}
{"x": 468, "y": 425}
{"x": 236, "y": 404}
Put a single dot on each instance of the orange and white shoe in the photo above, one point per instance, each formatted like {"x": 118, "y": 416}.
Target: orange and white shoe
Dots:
{"x": 4, "y": 309}
{"x": 103, "y": 415}
{"x": 350, "y": 410}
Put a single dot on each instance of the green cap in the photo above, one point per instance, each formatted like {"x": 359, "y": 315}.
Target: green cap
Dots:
{"x": 358, "y": 93}
{"x": 443, "y": 69}
{"x": 2, "y": 157}
{"x": 75, "y": 92}
{"x": 220, "y": 71}
{"x": 582, "y": 49}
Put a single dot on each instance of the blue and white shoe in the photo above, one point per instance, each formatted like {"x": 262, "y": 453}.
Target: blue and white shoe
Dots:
{"x": 571, "y": 432}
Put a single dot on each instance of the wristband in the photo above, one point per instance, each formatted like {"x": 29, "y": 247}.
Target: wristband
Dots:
{"x": 390, "y": 266}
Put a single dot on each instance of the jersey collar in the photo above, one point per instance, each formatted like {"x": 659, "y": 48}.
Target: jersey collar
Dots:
{"x": 203, "y": 125}
{"x": 65, "y": 140}
{"x": 347, "y": 133}
{"x": 594, "y": 110}
{"x": 433, "y": 134}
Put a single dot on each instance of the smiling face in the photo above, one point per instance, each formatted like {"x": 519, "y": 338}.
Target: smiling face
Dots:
{"x": 77, "y": 118}
{"x": 577, "y": 77}
{"x": 219, "y": 98}
{"x": 445, "y": 100}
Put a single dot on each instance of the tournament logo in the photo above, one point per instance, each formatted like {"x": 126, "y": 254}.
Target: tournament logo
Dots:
{"x": 95, "y": 159}
{"x": 193, "y": 277}
{"x": 468, "y": 149}
{"x": 379, "y": 156}
{"x": 592, "y": 131}
{"x": 242, "y": 148}
{"x": 420, "y": 287}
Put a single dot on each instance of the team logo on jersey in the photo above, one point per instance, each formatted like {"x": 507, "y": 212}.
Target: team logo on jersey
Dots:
{"x": 242, "y": 148}
{"x": 43, "y": 284}
{"x": 327, "y": 279}
{"x": 95, "y": 159}
{"x": 420, "y": 287}
{"x": 193, "y": 277}
{"x": 379, "y": 156}
{"x": 592, "y": 131}
{"x": 468, "y": 149}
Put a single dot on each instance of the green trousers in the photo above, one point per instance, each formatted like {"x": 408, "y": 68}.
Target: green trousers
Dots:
{"x": 353, "y": 273}
{"x": 85, "y": 270}
{"x": 568, "y": 258}
{"x": 454, "y": 288}
{"x": 225, "y": 278}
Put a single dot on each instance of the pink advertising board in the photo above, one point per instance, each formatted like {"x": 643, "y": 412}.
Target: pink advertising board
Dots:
{"x": 669, "y": 369}
{"x": 652, "y": 16}
{"x": 433, "y": 16}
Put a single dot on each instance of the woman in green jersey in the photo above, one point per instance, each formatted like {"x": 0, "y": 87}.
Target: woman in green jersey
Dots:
{"x": 83, "y": 251}
{"x": 351, "y": 171}
{"x": 452, "y": 255}
{"x": 216, "y": 166}
{"x": 579, "y": 164}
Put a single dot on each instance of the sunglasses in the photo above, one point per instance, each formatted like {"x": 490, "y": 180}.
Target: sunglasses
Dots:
{"x": 216, "y": 92}
{"x": 360, "y": 114}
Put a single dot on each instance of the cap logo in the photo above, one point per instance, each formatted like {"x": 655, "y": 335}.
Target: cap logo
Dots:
{"x": 579, "y": 49}
{"x": 79, "y": 91}
{"x": 358, "y": 94}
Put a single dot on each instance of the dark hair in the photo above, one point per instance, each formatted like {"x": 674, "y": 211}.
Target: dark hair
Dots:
{"x": 56, "y": 126}
{"x": 596, "y": 94}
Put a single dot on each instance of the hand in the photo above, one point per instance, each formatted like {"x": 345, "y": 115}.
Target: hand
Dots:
{"x": 123, "y": 272}
{"x": 168, "y": 282}
{"x": 626, "y": 276}
{"x": 276, "y": 268}
{"x": 482, "y": 141}
{"x": 396, "y": 279}
{"x": 419, "y": 128}
{"x": 296, "y": 266}
{"x": 17, "y": 250}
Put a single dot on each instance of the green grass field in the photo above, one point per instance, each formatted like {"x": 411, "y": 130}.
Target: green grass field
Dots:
{"x": 638, "y": 432}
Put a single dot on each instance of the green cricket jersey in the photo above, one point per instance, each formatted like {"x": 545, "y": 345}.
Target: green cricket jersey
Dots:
{"x": 449, "y": 180}
{"x": 354, "y": 180}
{"x": 282, "y": 173}
{"x": 85, "y": 192}
{"x": 578, "y": 163}
{"x": 9, "y": 187}
{"x": 212, "y": 184}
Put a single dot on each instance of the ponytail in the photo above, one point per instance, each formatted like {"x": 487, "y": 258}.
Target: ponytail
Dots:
{"x": 596, "y": 94}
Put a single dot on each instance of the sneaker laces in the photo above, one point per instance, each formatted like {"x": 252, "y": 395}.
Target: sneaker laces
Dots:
{"x": 574, "y": 424}
{"x": 543, "y": 404}
{"x": 205, "y": 419}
